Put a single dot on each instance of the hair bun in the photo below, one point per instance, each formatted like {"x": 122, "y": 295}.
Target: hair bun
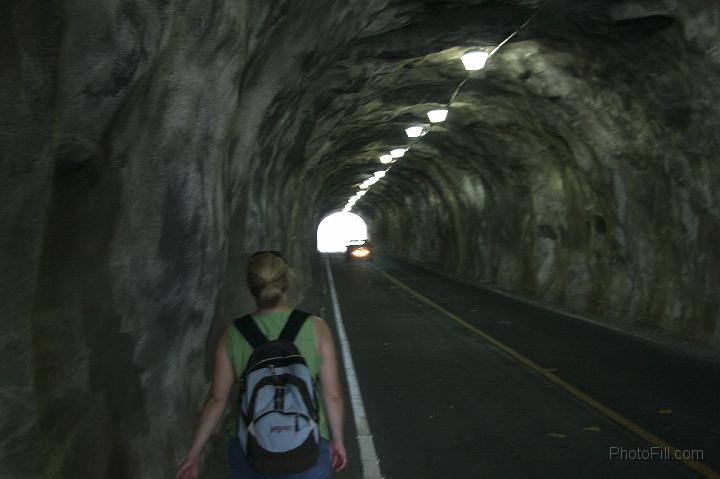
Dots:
{"x": 267, "y": 278}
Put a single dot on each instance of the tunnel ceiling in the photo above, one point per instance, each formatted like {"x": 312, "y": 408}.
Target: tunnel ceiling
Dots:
{"x": 580, "y": 79}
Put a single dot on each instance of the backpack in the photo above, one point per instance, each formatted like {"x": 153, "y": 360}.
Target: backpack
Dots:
{"x": 278, "y": 427}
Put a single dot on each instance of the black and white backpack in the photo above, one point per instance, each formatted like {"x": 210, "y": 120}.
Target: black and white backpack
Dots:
{"x": 278, "y": 430}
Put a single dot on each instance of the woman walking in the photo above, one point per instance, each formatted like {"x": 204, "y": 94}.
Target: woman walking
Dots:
{"x": 267, "y": 277}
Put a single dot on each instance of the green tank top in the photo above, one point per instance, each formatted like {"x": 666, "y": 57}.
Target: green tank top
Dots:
{"x": 271, "y": 324}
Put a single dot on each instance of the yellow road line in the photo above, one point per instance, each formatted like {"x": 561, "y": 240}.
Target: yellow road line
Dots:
{"x": 593, "y": 403}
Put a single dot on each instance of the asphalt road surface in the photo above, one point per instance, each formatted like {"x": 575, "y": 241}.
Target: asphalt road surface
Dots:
{"x": 462, "y": 382}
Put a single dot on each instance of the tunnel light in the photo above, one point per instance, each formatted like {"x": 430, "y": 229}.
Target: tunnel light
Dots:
{"x": 475, "y": 60}
{"x": 385, "y": 159}
{"x": 415, "y": 131}
{"x": 379, "y": 174}
{"x": 361, "y": 193}
{"x": 371, "y": 181}
{"x": 398, "y": 152}
{"x": 436, "y": 116}
{"x": 364, "y": 186}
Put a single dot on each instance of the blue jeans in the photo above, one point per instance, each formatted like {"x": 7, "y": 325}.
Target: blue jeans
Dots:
{"x": 240, "y": 469}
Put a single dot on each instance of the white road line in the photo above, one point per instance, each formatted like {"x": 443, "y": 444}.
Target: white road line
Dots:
{"x": 368, "y": 456}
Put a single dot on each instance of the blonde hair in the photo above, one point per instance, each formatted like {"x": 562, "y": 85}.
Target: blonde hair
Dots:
{"x": 267, "y": 277}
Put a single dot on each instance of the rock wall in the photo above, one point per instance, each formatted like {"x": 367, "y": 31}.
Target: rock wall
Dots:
{"x": 580, "y": 173}
{"x": 149, "y": 147}
{"x": 121, "y": 127}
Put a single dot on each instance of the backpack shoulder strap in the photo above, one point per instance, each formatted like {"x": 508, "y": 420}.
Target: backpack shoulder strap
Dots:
{"x": 250, "y": 331}
{"x": 294, "y": 323}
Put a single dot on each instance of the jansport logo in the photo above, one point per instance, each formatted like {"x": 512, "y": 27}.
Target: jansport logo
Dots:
{"x": 280, "y": 429}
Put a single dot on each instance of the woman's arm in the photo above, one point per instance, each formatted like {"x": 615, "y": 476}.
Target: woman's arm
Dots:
{"x": 331, "y": 392}
{"x": 211, "y": 412}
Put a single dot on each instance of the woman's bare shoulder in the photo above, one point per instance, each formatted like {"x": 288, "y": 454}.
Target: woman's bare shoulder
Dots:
{"x": 320, "y": 328}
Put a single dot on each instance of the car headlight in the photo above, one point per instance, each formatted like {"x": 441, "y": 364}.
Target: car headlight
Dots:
{"x": 360, "y": 252}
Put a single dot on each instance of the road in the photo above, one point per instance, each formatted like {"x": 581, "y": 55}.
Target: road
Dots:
{"x": 462, "y": 382}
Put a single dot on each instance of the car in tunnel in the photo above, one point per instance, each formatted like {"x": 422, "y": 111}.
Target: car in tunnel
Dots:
{"x": 358, "y": 250}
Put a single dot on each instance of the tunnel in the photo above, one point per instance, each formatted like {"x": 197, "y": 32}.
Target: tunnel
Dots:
{"x": 149, "y": 148}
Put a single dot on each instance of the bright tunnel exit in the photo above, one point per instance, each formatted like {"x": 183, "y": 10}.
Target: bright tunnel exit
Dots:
{"x": 338, "y": 229}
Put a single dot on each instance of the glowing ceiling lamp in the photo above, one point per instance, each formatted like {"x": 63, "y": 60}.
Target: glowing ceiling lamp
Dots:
{"x": 436, "y": 116}
{"x": 398, "y": 152}
{"x": 415, "y": 131}
{"x": 475, "y": 60}
{"x": 385, "y": 159}
{"x": 379, "y": 174}
{"x": 365, "y": 184}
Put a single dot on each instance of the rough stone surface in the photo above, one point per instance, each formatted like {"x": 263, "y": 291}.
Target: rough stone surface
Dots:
{"x": 148, "y": 147}
{"x": 578, "y": 172}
